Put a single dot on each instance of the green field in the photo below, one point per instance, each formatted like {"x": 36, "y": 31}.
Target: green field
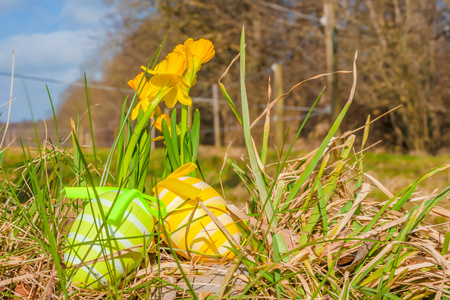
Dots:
{"x": 394, "y": 171}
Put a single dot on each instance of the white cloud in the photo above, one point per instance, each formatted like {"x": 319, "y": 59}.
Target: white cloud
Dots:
{"x": 43, "y": 52}
{"x": 78, "y": 30}
{"x": 42, "y": 46}
{"x": 50, "y": 50}
{"x": 56, "y": 55}
{"x": 86, "y": 13}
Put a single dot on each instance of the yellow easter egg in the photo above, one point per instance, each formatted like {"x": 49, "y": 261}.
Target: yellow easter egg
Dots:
{"x": 190, "y": 230}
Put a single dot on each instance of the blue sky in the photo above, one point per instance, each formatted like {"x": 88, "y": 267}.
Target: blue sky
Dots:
{"x": 55, "y": 40}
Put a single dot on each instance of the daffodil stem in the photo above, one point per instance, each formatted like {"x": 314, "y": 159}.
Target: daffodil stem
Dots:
{"x": 183, "y": 128}
{"x": 141, "y": 125}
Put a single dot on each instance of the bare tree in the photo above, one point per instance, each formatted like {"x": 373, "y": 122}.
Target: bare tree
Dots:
{"x": 402, "y": 62}
{"x": 403, "y": 47}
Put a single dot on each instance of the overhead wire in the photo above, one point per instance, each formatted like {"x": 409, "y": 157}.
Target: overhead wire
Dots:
{"x": 128, "y": 91}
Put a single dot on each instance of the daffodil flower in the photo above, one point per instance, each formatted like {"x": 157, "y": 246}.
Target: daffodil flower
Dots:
{"x": 168, "y": 74}
{"x": 202, "y": 51}
{"x": 146, "y": 93}
{"x": 178, "y": 89}
{"x": 175, "y": 64}
{"x": 196, "y": 53}
{"x": 158, "y": 125}
{"x": 158, "y": 121}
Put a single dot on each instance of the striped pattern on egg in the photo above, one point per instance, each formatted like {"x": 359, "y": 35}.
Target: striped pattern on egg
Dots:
{"x": 190, "y": 228}
{"x": 86, "y": 243}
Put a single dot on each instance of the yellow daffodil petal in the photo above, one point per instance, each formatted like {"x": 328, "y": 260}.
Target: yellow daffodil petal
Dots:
{"x": 175, "y": 63}
{"x": 179, "y": 48}
{"x": 146, "y": 90}
{"x": 134, "y": 83}
{"x": 178, "y": 86}
{"x": 159, "y": 68}
{"x": 171, "y": 98}
{"x": 158, "y": 138}
{"x": 183, "y": 97}
{"x": 202, "y": 49}
{"x": 171, "y": 75}
{"x": 135, "y": 111}
{"x": 158, "y": 121}
{"x": 147, "y": 93}
{"x": 143, "y": 104}
{"x": 196, "y": 53}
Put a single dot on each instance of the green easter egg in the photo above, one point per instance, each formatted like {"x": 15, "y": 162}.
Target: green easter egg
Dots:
{"x": 99, "y": 252}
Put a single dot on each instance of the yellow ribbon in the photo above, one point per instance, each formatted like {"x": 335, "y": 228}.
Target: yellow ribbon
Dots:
{"x": 181, "y": 188}
{"x": 183, "y": 170}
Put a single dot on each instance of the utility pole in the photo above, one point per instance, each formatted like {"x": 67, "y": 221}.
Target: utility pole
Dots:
{"x": 189, "y": 119}
{"x": 279, "y": 106}
{"x": 215, "y": 93}
{"x": 152, "y": 136}
{"x": 331, "y": 57}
